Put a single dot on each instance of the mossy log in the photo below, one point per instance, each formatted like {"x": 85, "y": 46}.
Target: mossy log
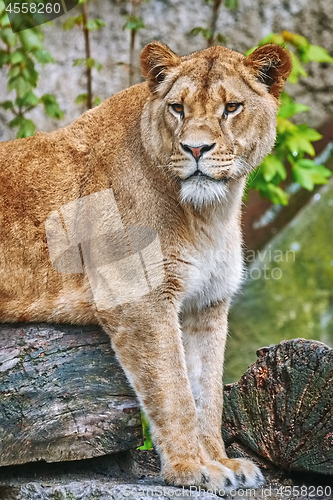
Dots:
{"x": 282, "y": 407}
{"x": 63, "y": 395}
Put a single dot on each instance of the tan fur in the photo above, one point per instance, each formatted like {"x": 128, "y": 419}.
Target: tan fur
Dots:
{"x": 170, "y": 342}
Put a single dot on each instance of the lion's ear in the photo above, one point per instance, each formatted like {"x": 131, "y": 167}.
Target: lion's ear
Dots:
{"x": 156, "y": 58}
{"x": 272, "y": 65}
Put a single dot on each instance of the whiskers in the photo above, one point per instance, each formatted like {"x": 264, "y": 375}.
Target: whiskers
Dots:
{"x": 206, "y": 190}
{"x": 167, "y": 165}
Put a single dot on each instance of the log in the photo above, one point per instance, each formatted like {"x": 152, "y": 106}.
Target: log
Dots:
{"x": 63, "y": 395}
{"x": 282, "y": 407}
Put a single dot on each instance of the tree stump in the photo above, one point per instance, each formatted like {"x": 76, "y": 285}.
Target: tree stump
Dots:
{"x": 63, "y": 395}
{"x": 282, "y": 407}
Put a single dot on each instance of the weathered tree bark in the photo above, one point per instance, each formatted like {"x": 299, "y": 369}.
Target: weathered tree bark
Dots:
{"x": 63, "y": 395}
{"x": 282, "y": 407}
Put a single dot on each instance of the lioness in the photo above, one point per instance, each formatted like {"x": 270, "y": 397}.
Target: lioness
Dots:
{"x": 175, "y": 151}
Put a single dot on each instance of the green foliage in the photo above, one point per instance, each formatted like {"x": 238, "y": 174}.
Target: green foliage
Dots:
{"x": 51, "y": 107}
{"x": 88, "y": 62}
{"x": 148, "y": 444}
{"x": 207, "y": 34}
{"x": 19, "y": 52}
{"x": 90, "y": 25}
{"x": 133, "y": 23}
{"x": 293, "y": 141}
{"x": 83, "y": 99}
{"x": 87, "y": 26}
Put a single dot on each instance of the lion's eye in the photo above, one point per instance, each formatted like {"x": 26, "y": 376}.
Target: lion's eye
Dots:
{"x": 178, "y": 108}
{"x": 231, "y": 107}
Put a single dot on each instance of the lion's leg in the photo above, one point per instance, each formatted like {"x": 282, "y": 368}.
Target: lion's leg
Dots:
{"x": 147, "y": 340}
{"x": 204, "y": 337}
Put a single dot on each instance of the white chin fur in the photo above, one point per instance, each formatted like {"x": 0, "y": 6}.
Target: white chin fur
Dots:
{"x": 202, "y": 192}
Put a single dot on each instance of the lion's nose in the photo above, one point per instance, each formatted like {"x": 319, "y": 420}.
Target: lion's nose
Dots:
{"x": 198, "y": 151}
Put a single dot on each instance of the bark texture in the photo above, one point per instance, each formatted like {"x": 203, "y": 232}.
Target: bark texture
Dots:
{"x": 63, "y": 395}
{"x": 282, "y": 407}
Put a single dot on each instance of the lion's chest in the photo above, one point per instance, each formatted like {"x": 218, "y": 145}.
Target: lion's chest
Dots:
{"x": 214, "y": 267}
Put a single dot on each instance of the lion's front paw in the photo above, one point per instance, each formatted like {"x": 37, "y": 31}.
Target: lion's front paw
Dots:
{"x": 248, "y": 475}
{"x": 211, "y": 476}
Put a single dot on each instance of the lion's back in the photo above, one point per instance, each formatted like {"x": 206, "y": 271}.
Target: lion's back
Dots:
{"x": 38, "y": 175}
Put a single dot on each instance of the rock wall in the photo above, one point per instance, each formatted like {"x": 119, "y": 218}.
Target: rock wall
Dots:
{"x": 170, "y": 22}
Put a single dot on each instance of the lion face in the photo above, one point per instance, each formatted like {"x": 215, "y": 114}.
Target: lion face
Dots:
{"x": 211, "y": 118}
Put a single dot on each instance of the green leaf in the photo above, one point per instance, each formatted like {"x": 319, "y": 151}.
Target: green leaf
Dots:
{"x": 14, "y": 71}
{"x": 318, "y": 54}
{"x": 309, "y": 133}
{"x": 47, "y": 99}
{"x": 307, "y": 173}
{"x": 297, "y": 69}
{"x": 273, "y": 38}
{"x": 272, "y": 166}
{"x": 4, "y": 21}
{"x": 30, "y": 74}
{"x": 133, "y": 23}
{"x": 297, "y": 144}
{"x": 289, "y": 107}
{"x": 72, "y": 21}
{"x": 275, "y": 194}
{"x": 299, "y": 141}
{"x": 16, "y": 122}
{"x": 79, "y": 61}
{"x": 92, "y": 63}
{"x": 304, "y": 178}
{"x": 312, "y": 165}
{"x": 28, "y": 100}
{"x": 19, "y": 84}
{"x": 94, "y": 24}
{"x": 27, "y": 129}
{"x": 43, "y": 56}
{"x": 148, "y": 445}
{"x": 219, "y": 38}
{"x": 97, "y": 101}
{"x": 295, "y": 39}
{"x": 4, "y": 57}
{"x": 81, "y": 99}
{"x": 270, "y": 38}
{"x": 284, "y": 125}
{"x": 31, "y": 39}
{"x": 7, "y": 36}
{"x": 231, "y": 4}
{"x": 51, "y": 106}
{"x": 89, "y": 63}
{"x": 17, "y": 57}
{"x": 6, "y": 105}
{"x": 205, "y": 32}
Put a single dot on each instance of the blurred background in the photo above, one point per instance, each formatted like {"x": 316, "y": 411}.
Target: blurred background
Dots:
{"x": 52, "y": 73}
